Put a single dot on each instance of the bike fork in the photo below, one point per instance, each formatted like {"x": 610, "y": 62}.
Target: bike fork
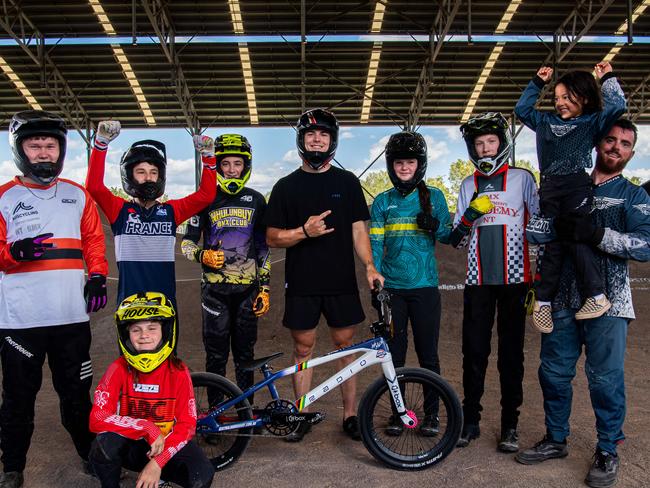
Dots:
{"x": 408, "y": 417}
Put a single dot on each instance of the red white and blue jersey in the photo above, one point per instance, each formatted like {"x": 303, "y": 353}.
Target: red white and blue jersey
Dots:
{"x": 145, "y": 239}
{"x": 498, "y": 250}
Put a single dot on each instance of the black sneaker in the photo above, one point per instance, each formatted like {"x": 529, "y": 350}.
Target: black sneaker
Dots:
{"x": 544, "y": 450}
{"x": 430, "y": 426}
{"x": 11, "y": 479}
{"x": 604, "y": 470}
{"x": 470, "y": 432}
{"x": 395, "y": 426}
{"x": 300, "y": 432}
{"x": 509, "y": 441}
{"x": 351, "y": 428}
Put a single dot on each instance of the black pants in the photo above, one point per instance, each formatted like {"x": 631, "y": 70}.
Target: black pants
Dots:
{"x": 479, "y": 306}
{"x": 23, "y": 353}
{"x": 228, "y": 320}
{"x": 560, "y": 195}
{"x": 422, "y": 307}
{"x": 110, "y": 452}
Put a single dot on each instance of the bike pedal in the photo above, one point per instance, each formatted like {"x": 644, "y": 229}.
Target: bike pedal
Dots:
{"x": 315, "y": 418}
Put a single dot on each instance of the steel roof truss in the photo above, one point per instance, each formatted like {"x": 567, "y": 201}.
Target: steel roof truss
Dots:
{"x": 28, "y": 36}
{"x": 161, "y": 22}
{"x": 444, "y": 18}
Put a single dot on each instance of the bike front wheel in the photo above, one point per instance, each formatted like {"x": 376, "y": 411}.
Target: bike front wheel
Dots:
{"x": 435, "y": 405}
{"x": 210, "y": 391}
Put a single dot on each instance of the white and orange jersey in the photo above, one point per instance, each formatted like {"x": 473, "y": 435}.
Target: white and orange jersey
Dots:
{"x": 49, "y": 290}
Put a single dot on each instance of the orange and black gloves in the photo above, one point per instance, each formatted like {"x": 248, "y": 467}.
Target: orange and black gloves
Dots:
{"x": 209, "y": 257}
{"x": 262, "y": 302}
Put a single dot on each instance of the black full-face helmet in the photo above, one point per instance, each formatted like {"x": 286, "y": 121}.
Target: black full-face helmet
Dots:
{"x": 406, "y": 145}
{"x": 148, "y": 151}
{"x": 317, "y": 118}
{"x": 488, "y": 123}
{"x": 34, "y": 123}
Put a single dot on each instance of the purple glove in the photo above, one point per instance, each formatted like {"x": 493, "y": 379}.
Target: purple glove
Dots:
{"x": 30, "y": 248}
{"x": 95, "y": 293}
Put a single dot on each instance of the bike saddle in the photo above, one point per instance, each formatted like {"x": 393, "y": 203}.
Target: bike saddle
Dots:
{"x": 254, "y": 364}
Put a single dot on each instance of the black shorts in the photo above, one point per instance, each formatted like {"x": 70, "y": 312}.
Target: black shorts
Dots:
{"x": 303, "y": 312}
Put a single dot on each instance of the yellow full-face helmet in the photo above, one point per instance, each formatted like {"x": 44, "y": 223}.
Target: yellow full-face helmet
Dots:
{"x": 148, "y": 306}
{"x": 233, "y": 145}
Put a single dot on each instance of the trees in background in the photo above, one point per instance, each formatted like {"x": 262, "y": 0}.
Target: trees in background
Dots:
{"x": 378, "y": 181}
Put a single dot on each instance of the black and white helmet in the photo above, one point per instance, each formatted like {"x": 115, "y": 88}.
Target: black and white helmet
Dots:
{"x": 488, "y": 123}
{"x": 148, "y": 151}
{"x": 34, "y": 123}
{"x": 406, "y": 145}
{"x": 317, "y": 118}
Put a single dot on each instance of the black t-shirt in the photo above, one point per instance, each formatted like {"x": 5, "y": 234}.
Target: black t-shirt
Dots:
{"x": 322, "y": 265}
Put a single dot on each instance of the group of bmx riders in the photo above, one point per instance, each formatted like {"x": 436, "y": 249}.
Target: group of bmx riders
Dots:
{"x": 590, "y": 226}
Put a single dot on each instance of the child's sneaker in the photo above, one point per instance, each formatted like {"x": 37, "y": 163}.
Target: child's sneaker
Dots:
{"x": 542, "y": 318}
{"x": 593, "y": 308}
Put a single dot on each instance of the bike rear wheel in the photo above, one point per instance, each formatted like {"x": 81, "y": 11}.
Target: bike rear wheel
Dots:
{"x": 423, "y": 392}
{"x": 221, "y": 448}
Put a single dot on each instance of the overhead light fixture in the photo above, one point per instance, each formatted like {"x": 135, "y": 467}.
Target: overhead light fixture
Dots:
{"x": 20, "y": 86}
{"x": 102, "y": 17}
{"x": 129, "y": 74}
{"x": 613, "y": 52}
{"x": 635, "y": 15}
{"x": 235, "y": 16}
{"x": 373, "y": 66}
{"x": 123, "y": 61}
{"x": 244, "y": 56}
{"x": 492, "y": 60}
{"x": 378, "y": 17}
{"x": 482, "y": 79}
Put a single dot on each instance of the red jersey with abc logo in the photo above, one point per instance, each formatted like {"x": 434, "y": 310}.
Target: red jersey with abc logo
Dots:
{"x": 145, "y": 405}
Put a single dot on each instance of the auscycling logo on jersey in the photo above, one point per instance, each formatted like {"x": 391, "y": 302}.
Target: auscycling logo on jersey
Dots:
{"x": 25, "y": 209}
{"x": 135, "y": 226}
{"x": 231, "y": 217}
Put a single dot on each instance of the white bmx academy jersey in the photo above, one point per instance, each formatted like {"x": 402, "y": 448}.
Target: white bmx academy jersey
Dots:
{"x": 498, "y": 250}
{"x": 48, "y": 291}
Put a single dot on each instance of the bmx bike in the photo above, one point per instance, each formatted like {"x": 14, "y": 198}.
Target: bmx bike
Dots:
{"x": 389, "y": 412}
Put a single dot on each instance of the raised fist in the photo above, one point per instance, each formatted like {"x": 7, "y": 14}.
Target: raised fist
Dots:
{"x": 545, "y": 73}
{"x": 204, "y": 145}
{"x": 107, "y": 130}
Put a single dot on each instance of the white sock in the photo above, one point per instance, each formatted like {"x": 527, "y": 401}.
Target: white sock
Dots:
{"x": 598, "y": 297}
{"x": 541, "y": 303}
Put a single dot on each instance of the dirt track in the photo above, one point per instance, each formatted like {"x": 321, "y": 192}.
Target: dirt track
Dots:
{"x": 326, "y": 457}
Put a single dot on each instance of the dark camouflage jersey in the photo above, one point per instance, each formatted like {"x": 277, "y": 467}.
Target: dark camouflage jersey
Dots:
{"x": 234, "y": 224}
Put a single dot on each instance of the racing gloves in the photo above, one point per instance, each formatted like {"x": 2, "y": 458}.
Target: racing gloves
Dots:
{"x": 30, "y": 248}
{"x": 95, "y": 293}
{"x": 262, "y": 302}
{"x": 205, "y": 146}
{"x": 209, "y": 257}
{"x": 578, "y": 227}
{"x": 107, "y": 130}
{"x": 478, "y": 207}
{"x": 427, "y": 222}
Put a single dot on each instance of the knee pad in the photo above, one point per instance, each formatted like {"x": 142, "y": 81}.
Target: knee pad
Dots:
{"x": 104, "y": 450}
